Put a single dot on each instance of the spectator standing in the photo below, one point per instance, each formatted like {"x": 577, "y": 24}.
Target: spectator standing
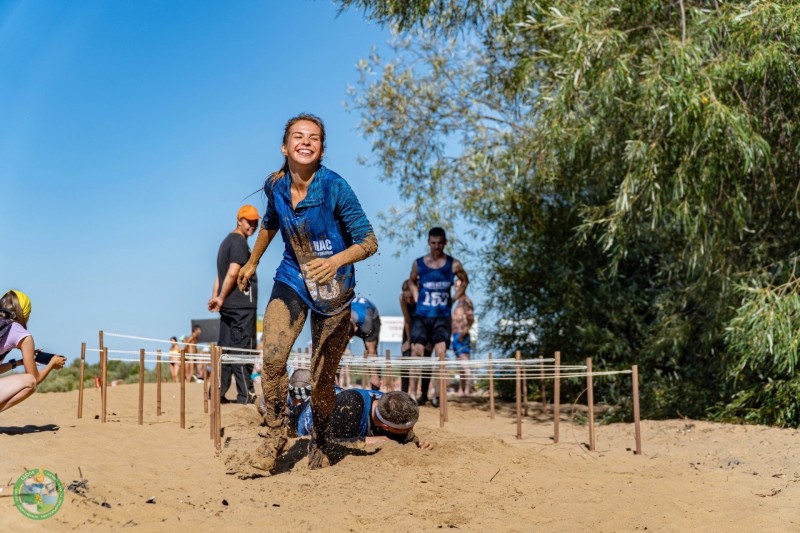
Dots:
{"x": 237, "y": 307}
{"x": 174, "y": 359}
{"x": 409, "y": 384}
{"x": 463, "y": 318}
{"x": 190, "y": 344}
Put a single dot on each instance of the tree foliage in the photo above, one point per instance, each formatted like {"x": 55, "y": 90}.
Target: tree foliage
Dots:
{"x": 634, "y": 169}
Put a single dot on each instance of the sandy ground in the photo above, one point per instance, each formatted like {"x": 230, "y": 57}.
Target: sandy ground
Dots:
{"x": 692, "y": 475}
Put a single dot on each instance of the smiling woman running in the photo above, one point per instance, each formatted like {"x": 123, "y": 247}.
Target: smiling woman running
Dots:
{"x": 325, "y": 231}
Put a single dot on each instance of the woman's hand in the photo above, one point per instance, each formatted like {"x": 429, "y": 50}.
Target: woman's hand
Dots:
{"x": 320, "y": 269}
{"x": 245, "y": 273}
{"x": 57, "y": 362}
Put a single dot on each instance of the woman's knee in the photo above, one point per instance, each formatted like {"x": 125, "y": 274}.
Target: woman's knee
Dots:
{"x": 29, "y": 382}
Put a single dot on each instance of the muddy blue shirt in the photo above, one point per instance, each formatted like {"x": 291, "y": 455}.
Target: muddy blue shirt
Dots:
{"x": 434, "y": 288}
{"x": 327, "y": 221}
{"x": 351, "y": 418}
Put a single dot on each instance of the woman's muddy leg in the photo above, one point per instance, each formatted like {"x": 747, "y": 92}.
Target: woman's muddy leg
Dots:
{"x": 283, "y": 321}
{"x": 282, "y": 326}
{"x": 330, "y": 335}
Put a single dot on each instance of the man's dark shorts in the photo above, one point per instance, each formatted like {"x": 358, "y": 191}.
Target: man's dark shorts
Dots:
{"x": 430, "y": 329}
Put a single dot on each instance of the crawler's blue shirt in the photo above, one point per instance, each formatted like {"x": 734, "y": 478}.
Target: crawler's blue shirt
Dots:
{"x": 351, "y": 417}
{"x": 327, "y": 221}
{"x": 434, "y": 288}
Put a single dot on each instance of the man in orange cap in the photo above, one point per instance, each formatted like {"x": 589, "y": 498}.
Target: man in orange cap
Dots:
{"x": 237, "y": 309}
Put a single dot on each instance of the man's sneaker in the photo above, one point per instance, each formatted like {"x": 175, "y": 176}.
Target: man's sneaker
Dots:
{"x": 422, "y": 400}
{"x": 435, "y": 401}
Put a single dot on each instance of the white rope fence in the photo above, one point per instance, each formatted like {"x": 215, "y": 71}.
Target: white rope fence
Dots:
{"x": 502, "y": 368}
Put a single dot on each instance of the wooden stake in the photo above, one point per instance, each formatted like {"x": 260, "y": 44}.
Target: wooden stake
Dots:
{"x": 442, "y": 392}
{"x": 158, "y": 382}
{"x": 525, "y": 392}
{"x": 557, "y": 398}
{"x": 182, "y": 372}
{"x": 443, "y": 397}
{"x": 102, "y": 378}
{"x": 80, "y": 383}
{"x": 212, "y": 421}
{"x": 205, "y": 391}
{"x": 104, "y": 386}
{"x": 637, "y": 429}
{"x": 208, "y": 377}
{"x": 519, "y": 397}
{"x": 218, "y": 430}
{"x": 543, "y": 389}
{"x": 141, "y": 386}
{"x": 388, "y": 380}
{"x": 590, "y": 396}
{"x": 491, "y": 388}
{"x": 367, "y": 375}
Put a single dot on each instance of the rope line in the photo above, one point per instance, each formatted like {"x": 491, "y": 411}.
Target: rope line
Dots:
{"x": 502, "y": 376}
{"x": 121, "y": 336}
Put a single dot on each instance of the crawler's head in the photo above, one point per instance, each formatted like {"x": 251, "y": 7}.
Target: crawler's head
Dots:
{"x": 300, "y": 385}
{"x": 396, "y": 412}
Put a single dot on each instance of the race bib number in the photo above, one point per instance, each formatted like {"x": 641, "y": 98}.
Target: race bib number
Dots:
{"x": 436, "y": 299}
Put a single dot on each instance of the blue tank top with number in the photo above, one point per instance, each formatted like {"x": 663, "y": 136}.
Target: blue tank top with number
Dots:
{"x": 434, "y": 288}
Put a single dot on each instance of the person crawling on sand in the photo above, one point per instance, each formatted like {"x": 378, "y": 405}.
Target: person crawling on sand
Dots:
{"x": 325, "y": 231}
{"x": 370, "y": 415}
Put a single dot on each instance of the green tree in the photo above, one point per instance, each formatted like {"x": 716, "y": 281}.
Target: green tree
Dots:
{"x": 633, "y": 166}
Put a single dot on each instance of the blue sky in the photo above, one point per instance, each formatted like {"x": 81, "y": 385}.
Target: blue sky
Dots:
{"x": 130, "y": 134}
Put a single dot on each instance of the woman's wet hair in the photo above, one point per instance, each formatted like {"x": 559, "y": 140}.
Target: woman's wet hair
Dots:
{"x": 11, "y": 308}
{"x": 275, "y": 176}
{"x": 398, "y": 408}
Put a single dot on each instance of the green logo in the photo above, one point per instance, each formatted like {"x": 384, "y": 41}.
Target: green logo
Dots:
{"x": 38, "y": 494}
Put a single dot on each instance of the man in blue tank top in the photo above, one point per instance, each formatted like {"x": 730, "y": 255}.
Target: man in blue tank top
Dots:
{"x": 431, "y": 278}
